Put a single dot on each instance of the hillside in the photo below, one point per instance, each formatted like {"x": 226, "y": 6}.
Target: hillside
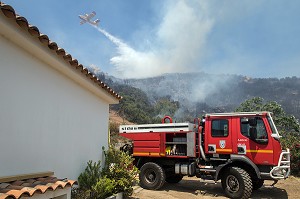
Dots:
{"x": 114, "y": 117}
{"x": 199, "y": 93}
{"x": 188, "y": 95}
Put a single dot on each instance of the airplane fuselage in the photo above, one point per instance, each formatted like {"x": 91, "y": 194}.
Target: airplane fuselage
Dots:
{"x": 87, "y": 18}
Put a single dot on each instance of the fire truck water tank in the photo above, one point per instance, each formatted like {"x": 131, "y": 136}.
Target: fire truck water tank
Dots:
{"x": 185, "y": 169}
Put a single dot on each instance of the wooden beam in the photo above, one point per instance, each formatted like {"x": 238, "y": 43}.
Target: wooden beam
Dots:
{"x": 26, "y": 176}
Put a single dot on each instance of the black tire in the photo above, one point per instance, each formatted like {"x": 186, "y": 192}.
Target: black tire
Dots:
{"x": 257, "y": 184}
{"x": 152, "y": 176}
{"x": 237, "y": 183}
{"x": 174, "y": 178}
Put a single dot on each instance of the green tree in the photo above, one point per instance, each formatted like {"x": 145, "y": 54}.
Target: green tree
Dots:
{"x": 119, "y": 167}
{"x": 134, "y": 106}
{"x": 287, "y": 125}
{"x": 90, "y": 176}
{"x": 166, "y": 106}
{"x": 284, "y": 122}
{"x": 87, "y": 181}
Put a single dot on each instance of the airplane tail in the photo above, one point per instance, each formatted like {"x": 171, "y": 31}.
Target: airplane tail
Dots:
{"x": 97, "y": 21}
{"x": 82, "y": 22}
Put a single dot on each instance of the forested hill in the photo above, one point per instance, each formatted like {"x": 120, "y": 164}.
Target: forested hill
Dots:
{"x": 185, "y": 96}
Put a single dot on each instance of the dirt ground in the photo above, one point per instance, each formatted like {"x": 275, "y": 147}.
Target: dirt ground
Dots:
{"x": 114, "y": 117}
{"x": 196, "y": 188}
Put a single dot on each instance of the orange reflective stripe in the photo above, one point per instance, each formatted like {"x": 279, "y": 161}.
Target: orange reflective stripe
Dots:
{"x": 259, "y": 151}
{"x": 145, "y": 154}
{"x": 224, "y": 150}
{"x": 248, "y": 151}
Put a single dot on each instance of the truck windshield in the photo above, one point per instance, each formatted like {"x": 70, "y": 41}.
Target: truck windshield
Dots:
{"x": 272, "y": 125}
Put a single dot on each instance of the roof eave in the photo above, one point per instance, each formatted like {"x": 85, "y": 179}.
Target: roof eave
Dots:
{"x": 16, "y": 29}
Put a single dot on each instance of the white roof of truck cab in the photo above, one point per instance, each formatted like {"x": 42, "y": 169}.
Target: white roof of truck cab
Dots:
{"x": 238, "y": 114}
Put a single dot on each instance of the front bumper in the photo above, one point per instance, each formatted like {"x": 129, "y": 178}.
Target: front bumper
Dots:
{"x": 283, "y": 168}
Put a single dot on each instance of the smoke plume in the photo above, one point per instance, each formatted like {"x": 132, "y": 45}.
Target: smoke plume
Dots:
{"x": 179, "y": 41}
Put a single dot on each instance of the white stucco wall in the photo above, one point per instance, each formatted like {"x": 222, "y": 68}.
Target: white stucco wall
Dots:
{"x": 48, "y": 122}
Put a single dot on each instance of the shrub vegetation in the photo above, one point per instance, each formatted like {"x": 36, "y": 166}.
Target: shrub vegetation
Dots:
{"x": 118, "y": 175}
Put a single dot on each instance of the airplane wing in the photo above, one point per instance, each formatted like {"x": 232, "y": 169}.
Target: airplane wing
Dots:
{"x": 82, "y": 22}
{"x": 88, "y": 17}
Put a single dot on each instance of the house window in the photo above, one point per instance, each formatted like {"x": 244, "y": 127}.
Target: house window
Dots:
{"x": 219, "y": 128}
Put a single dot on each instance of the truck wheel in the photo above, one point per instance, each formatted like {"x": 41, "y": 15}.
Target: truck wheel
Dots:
{"x": 257, "y": 184}
{"x": 237, "y": 183}
{"x": 174, "y": 178}
{"x": 152, "y": 176}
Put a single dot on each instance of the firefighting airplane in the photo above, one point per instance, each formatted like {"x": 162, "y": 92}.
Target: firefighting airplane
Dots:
{"x": 87, "y": 18}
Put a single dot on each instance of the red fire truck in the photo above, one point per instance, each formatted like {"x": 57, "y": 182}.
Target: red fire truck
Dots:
{"x": 240, "y": 149}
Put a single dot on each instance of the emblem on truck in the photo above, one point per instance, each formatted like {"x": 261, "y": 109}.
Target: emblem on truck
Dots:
{"x": 222, "y": 144}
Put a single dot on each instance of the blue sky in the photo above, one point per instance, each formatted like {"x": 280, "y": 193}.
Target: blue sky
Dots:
{"x": 144, "y": 38}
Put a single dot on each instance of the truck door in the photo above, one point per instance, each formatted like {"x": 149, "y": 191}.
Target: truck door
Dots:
{"x": 218, "y": 135}
{"x": 254, "y": 141}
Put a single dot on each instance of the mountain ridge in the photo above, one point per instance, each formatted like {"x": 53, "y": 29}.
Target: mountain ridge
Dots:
{"x": 225, "y": 91}
{"x": 199, "y": 93}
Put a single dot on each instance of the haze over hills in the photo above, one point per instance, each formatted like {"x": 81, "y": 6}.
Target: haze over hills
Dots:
{"x": 199, "y": 93}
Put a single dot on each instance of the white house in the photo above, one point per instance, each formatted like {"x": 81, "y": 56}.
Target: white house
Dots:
{"x": 53, "y": 112}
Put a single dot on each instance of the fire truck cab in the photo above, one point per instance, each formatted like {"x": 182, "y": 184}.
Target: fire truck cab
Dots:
{"x": 241, "y": 149}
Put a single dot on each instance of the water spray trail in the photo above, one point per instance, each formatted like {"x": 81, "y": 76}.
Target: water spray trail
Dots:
{"x": 131, "y": 63}
{"x": 113, "y": 39}
{"x": 127, "y": 56}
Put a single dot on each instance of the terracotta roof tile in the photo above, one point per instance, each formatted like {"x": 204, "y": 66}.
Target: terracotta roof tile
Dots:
{"x": 9, "y": 12}
{"x": 29, "y": 187}
{"x": 67, "y": 57}
{"x": 5, "y": 196}
{"x": 17, "y": 183}
{"x": 33, "y": 30}
{"x": 74, "y": 62}
{"x": 79, "y": 66}
{"x": 22, "y": 22}
{"x": 53, "y": 45}
{"x": 85, "y": 71}
{"x": 95, "y": 78}
{"x": 42, "y": 188}
{"x": 44, "y": 39}
{"x": 60, "y": 51}
{"x": 4, "y": 185}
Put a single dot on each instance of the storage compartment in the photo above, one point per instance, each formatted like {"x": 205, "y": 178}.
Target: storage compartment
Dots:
{"x": 180, "y": 144}
{"x": 176, "y": 149}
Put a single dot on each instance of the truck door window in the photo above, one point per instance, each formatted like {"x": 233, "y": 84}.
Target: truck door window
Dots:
{"x": 257, "y": 132}
{"x": 219, "y": 128}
